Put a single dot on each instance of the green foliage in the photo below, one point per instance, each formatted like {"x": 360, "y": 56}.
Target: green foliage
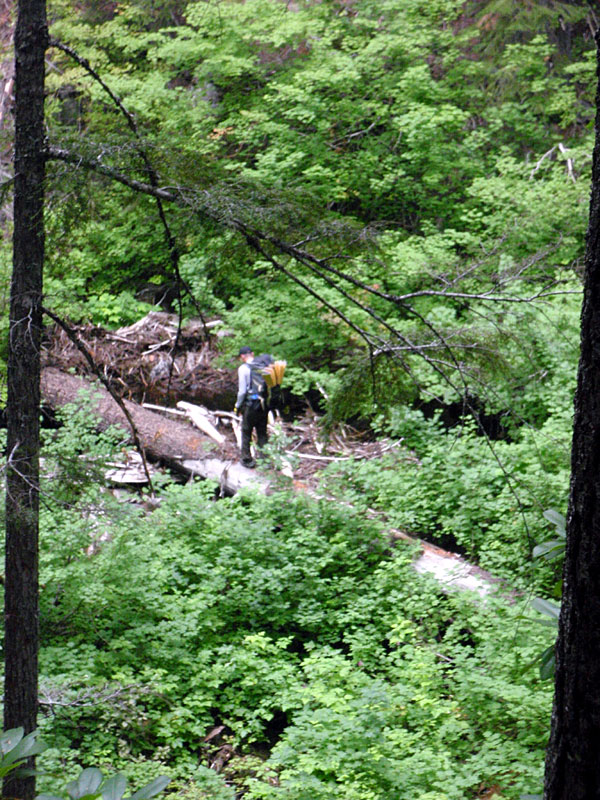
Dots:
{"x": 502, "y": 20}
{"x": 16, "y": 749}
{"x": 360, "y": 735}
{"x": 91, "y": 784}
{"x": 270, "y": 316}
{"x": 76, "y": 454}
{"x": 460, "y": 489}
{"x": 260, "y": 611}
{"x": 547, "y": 659}
{"x": 77, "y": 512}
{"x": 553, "y": 548}
{"x": 207, "y": 785}
{"x": 111, "y": 254}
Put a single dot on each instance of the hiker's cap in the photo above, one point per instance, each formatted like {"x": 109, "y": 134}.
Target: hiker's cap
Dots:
{"x": 245, "y": 350}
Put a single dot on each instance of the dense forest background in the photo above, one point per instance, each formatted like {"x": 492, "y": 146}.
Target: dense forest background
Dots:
{"x": 392, "y": 197}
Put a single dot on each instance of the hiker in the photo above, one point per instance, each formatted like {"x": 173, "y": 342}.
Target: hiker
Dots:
{"x": 251, "y": 403}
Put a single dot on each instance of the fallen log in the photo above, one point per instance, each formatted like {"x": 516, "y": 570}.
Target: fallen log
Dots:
{"x": 177, "y": 445}
{"x": 188, "y": 451}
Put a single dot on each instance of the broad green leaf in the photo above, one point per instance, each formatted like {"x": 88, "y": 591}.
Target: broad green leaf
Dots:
{"x": 557, "y": 519}
{"x": 25, "y": 772}
{"x": 4, "y": 770}
{"x": 549, "y": 550}
{"x": 87, "y": 783}
{"x": 114, "y": 788}
{"x": 546, "y": 607}
{"x": 28, "y": 746}
{"x": 150, "y": 789}
{"x": 547, "y": 663}
{"x": 10, "y": 739}
{"x": 91, "y": 796}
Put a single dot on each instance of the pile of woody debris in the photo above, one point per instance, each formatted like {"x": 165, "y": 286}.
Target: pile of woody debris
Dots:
{"x": 303, "y": 447}
{"x": 152, "y": 361}
{"x": 309, "y": 449}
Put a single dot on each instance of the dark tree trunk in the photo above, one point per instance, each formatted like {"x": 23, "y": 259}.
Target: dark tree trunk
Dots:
{"x": 573, "y": 757}
{"x": 23, "y": 382}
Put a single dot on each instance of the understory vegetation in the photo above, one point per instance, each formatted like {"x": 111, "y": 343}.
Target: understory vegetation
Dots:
{"x": 393, "y": 197}
{"x": 285, "y": 635}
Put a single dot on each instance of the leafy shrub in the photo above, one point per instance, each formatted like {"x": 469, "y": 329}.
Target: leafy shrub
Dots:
{"x": 461, "y": 490}
{"x": 16, "y": 749}
{"x": 91, "y": 784}
{"x": 278, "y": 613}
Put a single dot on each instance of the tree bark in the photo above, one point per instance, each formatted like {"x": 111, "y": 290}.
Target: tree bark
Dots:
{"x": 23, "y": 380}
{"x": 573, "y": 760}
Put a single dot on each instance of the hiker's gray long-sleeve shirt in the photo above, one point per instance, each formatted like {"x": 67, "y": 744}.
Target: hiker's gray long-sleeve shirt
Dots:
{"x": 244, "y": 383}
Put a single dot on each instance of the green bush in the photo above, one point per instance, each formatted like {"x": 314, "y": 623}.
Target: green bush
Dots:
{"x": 461, "y": 490}
{"x": 288, "y": 621}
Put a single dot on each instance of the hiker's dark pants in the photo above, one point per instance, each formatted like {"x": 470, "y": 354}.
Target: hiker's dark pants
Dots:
{"x": 254, "y": 418}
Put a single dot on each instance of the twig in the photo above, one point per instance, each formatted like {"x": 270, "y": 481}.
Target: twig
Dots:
{"x": 164, "y": 409}
{"x": 158, "y": 345}
{"x": 355, "y": 135}
{"x": 117, "y": 338}
{"x": 321, "y": 458}
{"x": 564, "y": 151}
{"x": 541, "y": 161}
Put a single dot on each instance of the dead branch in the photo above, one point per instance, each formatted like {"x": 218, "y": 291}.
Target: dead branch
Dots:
{"x": 88, "y": 357}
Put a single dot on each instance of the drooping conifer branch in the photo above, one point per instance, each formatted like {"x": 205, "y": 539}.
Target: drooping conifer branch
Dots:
{"x": 153, "y": 178}
{"x": 199, "y": 203}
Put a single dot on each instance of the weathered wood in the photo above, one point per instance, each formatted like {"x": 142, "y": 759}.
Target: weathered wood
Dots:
{"x": 200, "y": 417}
{"x": 177, "y": 445}
{"x": 231, "y": 475}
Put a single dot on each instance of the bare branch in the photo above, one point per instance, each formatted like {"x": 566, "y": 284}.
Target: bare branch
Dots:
{"x": 88, "y": 357}
{"x": 564, "y": 150}
{"x": 171, "y": 195}
{"x": 355, "y": 135}
{"x": 56, "y": 697}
